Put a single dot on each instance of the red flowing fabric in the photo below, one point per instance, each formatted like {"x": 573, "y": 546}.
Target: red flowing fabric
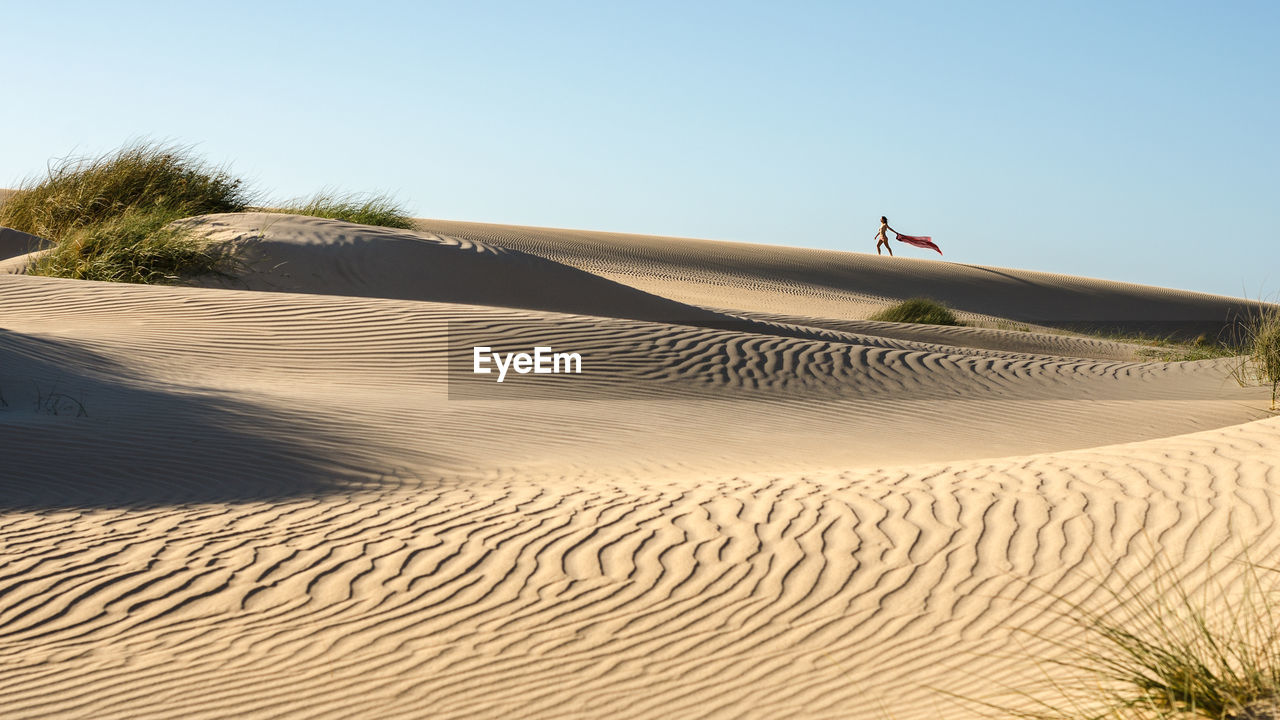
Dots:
{"x": 920, "y": 241}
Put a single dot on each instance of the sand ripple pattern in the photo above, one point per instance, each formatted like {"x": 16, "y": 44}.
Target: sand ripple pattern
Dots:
{"x": 275, "y": 508}
{"x": 738, "y": 597}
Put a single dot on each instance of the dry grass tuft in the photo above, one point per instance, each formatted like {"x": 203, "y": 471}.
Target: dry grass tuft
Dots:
{"x": 1262, "y": 341}
{"x": 918, "y": 310}
{"x": 363, "y": 208}
{"x": 141, "y": 177}
{"x": 1163, "y": 652}
{"x": 140, "y": 246}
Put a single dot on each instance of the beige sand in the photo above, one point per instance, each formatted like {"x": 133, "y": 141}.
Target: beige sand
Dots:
{"x": 257, "y": 499}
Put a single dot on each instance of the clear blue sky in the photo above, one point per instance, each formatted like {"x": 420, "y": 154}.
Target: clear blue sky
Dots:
{"x": 1125, "y": 140}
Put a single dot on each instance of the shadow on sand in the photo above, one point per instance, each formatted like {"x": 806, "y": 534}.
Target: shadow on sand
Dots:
{"x": 78, "y": 430}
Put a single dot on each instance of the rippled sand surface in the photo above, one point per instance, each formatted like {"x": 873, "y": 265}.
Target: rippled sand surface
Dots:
{"x": 277, "y": 495}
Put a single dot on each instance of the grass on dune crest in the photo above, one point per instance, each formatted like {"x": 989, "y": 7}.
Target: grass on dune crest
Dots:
{"x": 363, "y": 208}
{"x": 111, "y": 217}
{"x": 81, "y": 192}
{"x": 918, "y": 310}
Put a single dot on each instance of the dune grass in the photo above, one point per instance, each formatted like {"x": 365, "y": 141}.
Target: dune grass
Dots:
{"x": 918, "y": 310}
{"x": 138, "y": 178}
{"x": 139, "y": 246}
{"x": 363, "y": 208}
{"x": 1261, "y": 363}
{"x": 111, "y": 217}
{"x": 1172, "y": 654}
{"x": 1164, "y": 651}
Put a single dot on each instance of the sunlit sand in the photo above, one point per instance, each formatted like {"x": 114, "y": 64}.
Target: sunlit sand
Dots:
{"x": 262, "y": 497}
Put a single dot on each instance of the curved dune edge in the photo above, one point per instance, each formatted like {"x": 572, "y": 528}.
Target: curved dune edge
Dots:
{"x": 287, "y": 514}
{"x": 15, "y": 243}
{"x": 795, "y": 280}
{"x": 294, "y": 253}
{"x": 291, "y": 253}
{"x": 666, "y": 279}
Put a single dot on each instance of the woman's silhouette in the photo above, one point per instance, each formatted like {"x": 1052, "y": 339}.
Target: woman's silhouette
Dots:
{"x": 920, "y": 241}
{"x": 882, "y": 238}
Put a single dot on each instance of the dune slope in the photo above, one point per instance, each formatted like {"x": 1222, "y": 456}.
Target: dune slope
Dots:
{"x": 786, "y": 279}
{"x": 285, "y": 495}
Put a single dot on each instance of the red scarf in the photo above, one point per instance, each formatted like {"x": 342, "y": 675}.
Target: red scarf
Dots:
{"x": 920, "y": 241}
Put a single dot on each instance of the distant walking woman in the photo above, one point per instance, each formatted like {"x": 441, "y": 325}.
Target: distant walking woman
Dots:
{"x": 920, "y": 241}
{"x": 882, "y": 238}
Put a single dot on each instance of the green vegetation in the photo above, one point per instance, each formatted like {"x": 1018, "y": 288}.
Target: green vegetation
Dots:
{"x": 1173, "y": 656}
{"x": 1262, "y": 346}
{"x": 138, "y": 178}
{"x": 112, "y": 217}
{"x": 109, "y": 217}
{"x": 1163, "y": 651}
{"x": 140, "y": 246}
{"x": 366, "y": 209}
{"x": 918, "y": 310}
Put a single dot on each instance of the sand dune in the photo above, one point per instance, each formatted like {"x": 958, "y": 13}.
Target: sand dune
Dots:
{"x": 791, "y": 280}
{"x": 291, "y": 253}
{"x": 282, "y": 495}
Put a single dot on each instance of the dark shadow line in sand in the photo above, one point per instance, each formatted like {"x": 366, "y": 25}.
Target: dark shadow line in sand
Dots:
{"x": 119, "y": 441}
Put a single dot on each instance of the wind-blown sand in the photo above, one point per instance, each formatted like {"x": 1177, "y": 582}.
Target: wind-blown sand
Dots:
{"x": 267, "y": 496}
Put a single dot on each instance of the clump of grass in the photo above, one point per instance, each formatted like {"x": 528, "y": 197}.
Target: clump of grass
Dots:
{"x": 918, "y": 310}
{"x": 1162, "y": 651}
{"x": 363, "y": 208}
{"x": 1176, "y": 656}
{"x": 81, "y": 192}
{"x": 109, "y": 217}
{"x": 1261, "y": 362}
{"x": 139, "y": 246}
